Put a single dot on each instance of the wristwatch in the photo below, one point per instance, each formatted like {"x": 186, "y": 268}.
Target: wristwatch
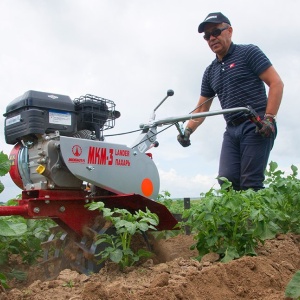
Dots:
{"x": 270, "y": 116}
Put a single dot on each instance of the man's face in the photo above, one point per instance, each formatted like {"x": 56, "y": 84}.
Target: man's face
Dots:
{"x": 218, "y": 44}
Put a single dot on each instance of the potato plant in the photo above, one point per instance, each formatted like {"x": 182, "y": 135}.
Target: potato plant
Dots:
{"x": 233, "y": 223}
{"x": 127, "y": 224}
{"x": 4, "y": 168}
{"x": 18, "y": 235}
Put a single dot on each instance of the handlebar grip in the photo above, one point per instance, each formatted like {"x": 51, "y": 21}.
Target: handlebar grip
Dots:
{"x": 257, "y": 121}
{"x": 179, "y": 129}
{"x": 254, "y": 117}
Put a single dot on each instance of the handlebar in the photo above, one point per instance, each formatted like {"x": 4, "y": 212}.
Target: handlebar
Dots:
{"x": 173, "y": 120}
{"x": 147, "y": 138}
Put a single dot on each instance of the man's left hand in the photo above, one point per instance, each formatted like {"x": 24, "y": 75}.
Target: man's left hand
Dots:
{"x": 268, "y": 127}
{"x": 184, "y": 139}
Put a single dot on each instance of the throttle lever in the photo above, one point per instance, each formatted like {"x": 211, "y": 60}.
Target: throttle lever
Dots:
{"x": 254, "y": 117}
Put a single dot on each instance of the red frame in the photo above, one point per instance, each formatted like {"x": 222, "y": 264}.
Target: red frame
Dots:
{"x": 67, "y": 208}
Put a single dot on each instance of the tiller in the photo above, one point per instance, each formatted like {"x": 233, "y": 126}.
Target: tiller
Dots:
{"x": 61, "y": 161}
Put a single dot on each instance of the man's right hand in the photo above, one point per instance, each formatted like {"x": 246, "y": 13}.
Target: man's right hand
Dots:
{"x": 268, "y": 127}
{"x": 184, "y": 140}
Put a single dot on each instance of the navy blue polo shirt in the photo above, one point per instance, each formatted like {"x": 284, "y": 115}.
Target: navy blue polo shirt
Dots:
{"x": 236, "y": 80}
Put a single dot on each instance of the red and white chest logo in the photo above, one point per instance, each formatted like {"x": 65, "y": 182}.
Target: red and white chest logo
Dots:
{"x": 231, "y": 65}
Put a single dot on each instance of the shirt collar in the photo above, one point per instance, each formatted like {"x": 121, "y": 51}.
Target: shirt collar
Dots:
{"x": 230, "y": 51}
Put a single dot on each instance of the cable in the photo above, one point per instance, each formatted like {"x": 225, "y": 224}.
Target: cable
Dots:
{"x": 148, "y": 138}
{"x": 209, "y": 99}
{"x": 123, "y": 133}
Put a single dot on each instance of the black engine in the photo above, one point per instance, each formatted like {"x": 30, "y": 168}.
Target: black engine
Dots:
{"x": 37, "y": 113}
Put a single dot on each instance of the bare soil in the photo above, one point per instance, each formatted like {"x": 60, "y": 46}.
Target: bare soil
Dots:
{"x": 173, "y": 274}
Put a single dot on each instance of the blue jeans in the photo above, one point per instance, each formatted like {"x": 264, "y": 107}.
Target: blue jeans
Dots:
{"x": 244, "y": 156}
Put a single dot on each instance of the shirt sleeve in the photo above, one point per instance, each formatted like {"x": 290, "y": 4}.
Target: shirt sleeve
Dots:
{"x": 206, "y": 89}
{"x": 257, "y": 60}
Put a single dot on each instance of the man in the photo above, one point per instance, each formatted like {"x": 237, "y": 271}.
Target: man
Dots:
{"x": 237, "y": 77}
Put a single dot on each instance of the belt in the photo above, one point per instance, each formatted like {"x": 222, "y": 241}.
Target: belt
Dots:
{"x": 237, "y": 121}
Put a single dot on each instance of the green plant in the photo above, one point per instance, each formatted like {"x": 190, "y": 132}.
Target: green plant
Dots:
{"x": 165, "y": 198}
{"x": 176, "y": 208}
{"x": 18, "y": 235}
{"x": 293, "y": 287}
{"x": 23, "y": 237}
{"x": 4, "y": 167}
{"x": 127, "y": 224}
{"x": 69, "y": 284}
{"x": 232, "y": 223}
{"x": 283, "y": 197}
{"x": 3, "y": 281}
{"x": 17, "y": 274}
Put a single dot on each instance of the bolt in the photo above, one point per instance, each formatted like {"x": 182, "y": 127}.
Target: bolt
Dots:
{"x": 62, "y": 209}
{"x": 90, "y": 168}
{"x": 87, "y": 201}
{"x": 47, "y": 201}
{"x": 36, "y": 210}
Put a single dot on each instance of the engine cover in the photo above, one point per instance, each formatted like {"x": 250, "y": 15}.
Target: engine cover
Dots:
{"x": 36, "y": 113}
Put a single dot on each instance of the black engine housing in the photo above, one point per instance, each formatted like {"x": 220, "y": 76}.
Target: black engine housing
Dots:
{"x": 37, "y": 113}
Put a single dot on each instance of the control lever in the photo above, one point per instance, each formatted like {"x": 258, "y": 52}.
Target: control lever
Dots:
{"x": 169, "y": 94}
{"x": 254, "y": 117}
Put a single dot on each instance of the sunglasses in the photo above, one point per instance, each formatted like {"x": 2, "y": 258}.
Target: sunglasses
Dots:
{"x": 215, "y": 33}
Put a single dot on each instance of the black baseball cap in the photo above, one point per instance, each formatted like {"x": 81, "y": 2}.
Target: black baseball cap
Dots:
{"x": 215, "y": 17}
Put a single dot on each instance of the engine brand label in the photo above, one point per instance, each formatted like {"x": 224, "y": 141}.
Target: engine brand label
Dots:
{"x": 60, "y": 118}
{"x": 108, "y": 156}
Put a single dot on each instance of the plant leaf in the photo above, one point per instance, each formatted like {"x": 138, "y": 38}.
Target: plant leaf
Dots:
{"x": 3, "y": 281}
{"x": 1, "y": 187}
{"x": 293, "y": 287}
{"x": 12, "y": 229}
{"x": 116, "y": 255}
{"x": 230, "y": 254}
{"x": 4, "y": 164}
